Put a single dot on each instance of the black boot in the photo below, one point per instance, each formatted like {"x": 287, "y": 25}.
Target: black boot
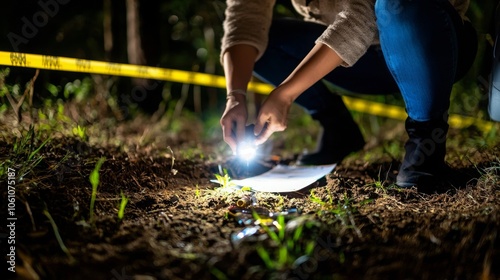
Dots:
{"x": 423, "y": 165}
{"x": 339, "y": 137}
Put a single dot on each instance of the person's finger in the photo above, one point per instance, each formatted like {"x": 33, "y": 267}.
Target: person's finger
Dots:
{"x": 228, "y": 135}
{"x": 262, "y": 128}
{"x": 264, "y": 135}
{"x": 268, "y": 129}
{"x": 260, "y": 122}
{"x": 240, "y": 130}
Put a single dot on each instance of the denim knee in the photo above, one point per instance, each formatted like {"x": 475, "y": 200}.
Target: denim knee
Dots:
{"x": 386, "y": 10}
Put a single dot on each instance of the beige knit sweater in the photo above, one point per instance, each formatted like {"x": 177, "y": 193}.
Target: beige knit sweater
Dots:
{"x": 350, "y": 24}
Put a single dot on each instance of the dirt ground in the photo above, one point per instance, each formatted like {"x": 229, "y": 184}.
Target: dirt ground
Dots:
{"x": 178, "y": 225}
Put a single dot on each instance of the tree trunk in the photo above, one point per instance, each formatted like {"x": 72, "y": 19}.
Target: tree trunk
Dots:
{"x": 134, "y": 44}
{"x": 107, "y": 28}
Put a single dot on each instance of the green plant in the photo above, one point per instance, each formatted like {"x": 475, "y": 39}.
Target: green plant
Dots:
{"x": 344, "y": 206}
{"x": 26, "y": 151}
{"x": 218, "y": 274}
{"x": 80, "y": 89}
{"x": 224, "y": 180}
{"x": 343, "y": 209}
{"x": 81, "y": 132}
{"x": 58, "y": 236}
{"x": 320, "y": 201}
{"x": 340, "y": 208}
{"x": 287, "y": 247}
{"x": 94, "y": 181}
{"x": 381, "y": 184}
{"x": 3, "y": 90}
{"x": 123, "y": 204}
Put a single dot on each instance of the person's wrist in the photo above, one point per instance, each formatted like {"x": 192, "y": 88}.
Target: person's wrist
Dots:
{"x": 286, "y": 94}
{"x": 236, "y": 92}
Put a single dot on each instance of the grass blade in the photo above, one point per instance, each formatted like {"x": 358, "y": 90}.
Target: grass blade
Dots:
{"x": 94, "y": 180}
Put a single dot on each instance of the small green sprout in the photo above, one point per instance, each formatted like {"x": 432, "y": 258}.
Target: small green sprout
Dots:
{"x": 218, "y": 274}
{"x": 224, "y": 180}
{"x": 319, "y": 201}
{"x": 94, "y": 181}
{"x": 121, "y": 209}
{"x": 289, "y": 247}
{"x": 58, "y": 236}
{"x": 81, "y": 132}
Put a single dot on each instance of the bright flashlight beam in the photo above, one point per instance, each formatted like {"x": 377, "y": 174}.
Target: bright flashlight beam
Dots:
{"x": 247, "y": 151}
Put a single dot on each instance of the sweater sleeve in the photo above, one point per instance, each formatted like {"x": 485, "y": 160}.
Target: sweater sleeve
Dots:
{"x": 247, "y": 22}
{"x": 353, "y": 30}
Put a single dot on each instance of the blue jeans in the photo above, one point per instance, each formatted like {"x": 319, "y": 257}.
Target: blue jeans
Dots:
{"x": 424, "y": 48}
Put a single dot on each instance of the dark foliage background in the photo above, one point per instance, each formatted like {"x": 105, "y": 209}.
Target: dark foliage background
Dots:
{"x": 179, "y": 34}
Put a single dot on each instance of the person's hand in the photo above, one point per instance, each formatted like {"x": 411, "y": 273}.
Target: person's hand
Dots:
{"x": 272, "y": 115}
{"x": 234, "y": 119}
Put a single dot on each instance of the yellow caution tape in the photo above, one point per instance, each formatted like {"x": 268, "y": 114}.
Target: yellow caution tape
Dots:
{"x": 399, "y": 113}
{"x": 137, "y": 71}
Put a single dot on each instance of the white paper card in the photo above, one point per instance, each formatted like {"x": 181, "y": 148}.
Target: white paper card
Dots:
{"x": 284, "y": 178}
